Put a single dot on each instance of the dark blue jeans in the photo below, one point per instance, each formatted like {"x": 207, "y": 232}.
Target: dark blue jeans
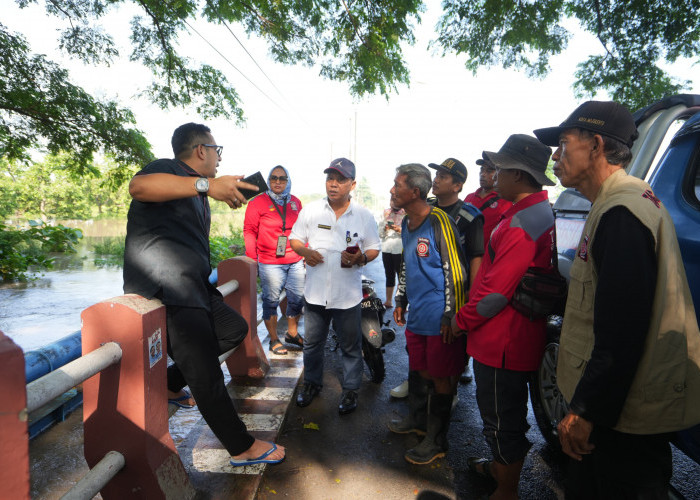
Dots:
{"x": 346, "y": 323}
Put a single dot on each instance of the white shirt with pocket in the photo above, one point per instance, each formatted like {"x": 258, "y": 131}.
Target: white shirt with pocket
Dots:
{"x": 328, "y": 284}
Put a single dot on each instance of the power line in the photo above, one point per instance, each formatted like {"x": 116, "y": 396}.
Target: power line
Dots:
{"x": 296, "y": 111}
{"x": 251, "y": 57}
{"x": 233, "y": 65}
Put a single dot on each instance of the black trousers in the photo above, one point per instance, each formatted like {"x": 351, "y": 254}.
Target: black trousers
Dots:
{"x": 502, "y": 399}
{"x": 621, "y": 466}
{"x": 392, "y": 267}
{"x": 196, "y": 338}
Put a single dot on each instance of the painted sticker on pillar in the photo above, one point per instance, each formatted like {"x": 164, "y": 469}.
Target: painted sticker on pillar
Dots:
{"x": 155, "y": 348}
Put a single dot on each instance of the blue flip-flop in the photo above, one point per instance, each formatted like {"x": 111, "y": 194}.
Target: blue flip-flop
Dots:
{"x": 177, "y": 401}
{"x": 262, "y": 459}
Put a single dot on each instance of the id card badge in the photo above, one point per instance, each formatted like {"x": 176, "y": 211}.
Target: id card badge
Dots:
{"x": 281, "y": 246}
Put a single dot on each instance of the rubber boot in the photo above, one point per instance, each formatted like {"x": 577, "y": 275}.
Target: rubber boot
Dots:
{"x": 434, "y": 444}
{"x": 415, "y": 421}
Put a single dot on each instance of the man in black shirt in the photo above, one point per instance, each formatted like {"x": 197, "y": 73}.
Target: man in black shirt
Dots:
{"x": 167, "y": 257}
{"x": 447, "y": 184}
{"x": 450, "y": 177}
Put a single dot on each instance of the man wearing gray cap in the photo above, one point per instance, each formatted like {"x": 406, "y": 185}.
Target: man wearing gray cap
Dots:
{"x": 507, "y": 345}
{"x": 336, "y": 237}
{"x": 630, "y": 347}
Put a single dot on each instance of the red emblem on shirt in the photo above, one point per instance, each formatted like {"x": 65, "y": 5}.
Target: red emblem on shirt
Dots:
{"x": 649, "y": 195}
{"x": 423, "y": 247}
{"x": 583, "y": 249}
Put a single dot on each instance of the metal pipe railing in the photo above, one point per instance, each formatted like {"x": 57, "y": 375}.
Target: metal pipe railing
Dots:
{"x": 52, "y": 385}
{"x": 228, "y": 288}
{"x": 98, "y": 477}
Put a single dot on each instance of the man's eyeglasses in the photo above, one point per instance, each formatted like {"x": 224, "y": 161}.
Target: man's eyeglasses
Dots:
{"x": 219, "y": 149}
{"x": 281, "y": 178}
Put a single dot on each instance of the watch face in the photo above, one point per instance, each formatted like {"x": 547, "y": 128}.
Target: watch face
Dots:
{"x": 202, "y": 185}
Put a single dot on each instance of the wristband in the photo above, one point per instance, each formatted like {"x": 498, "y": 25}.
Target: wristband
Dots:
{"x": 365, "y": 256}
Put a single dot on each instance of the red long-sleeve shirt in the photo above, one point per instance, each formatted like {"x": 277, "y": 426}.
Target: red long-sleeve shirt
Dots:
{"x": 492, "y": 211}
{"x": 263, "y": 225}
{"x": 498, "y": 335}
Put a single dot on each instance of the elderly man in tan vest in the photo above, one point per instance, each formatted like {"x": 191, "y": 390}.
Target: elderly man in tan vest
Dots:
{"x": 629, "y": 353}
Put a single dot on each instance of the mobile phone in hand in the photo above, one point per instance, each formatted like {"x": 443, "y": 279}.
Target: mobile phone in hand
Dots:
{"x": 256, "y": 179}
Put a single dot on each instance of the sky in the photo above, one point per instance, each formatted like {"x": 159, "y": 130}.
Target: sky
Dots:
{"x": 445, "y": 112}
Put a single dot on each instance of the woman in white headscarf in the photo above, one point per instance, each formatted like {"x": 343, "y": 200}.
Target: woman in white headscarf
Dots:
{"x": 269, "y": 218}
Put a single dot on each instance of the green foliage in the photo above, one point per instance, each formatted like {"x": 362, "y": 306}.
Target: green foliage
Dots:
{"x": 225, "y": 247}
{"x": 53, "y": 189}
{"x": 40, "y": 108}
{"x": 357, "y": 42}
{"x": 21, "y": 248}
{"x": 109, "y": 252}
{"x": 635, "y": 37}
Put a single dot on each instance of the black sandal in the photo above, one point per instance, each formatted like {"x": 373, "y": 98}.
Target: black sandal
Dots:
{"x": 278, "y": 348}
{"x": 297, "y": 340}
{"x": 485, "y": 471}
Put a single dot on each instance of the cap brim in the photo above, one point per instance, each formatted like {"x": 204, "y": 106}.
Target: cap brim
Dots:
{"x": 549, "y": 136}
{"x": 333, "y": 169}
{"x": 485, "y": 163}
{"x": 506, "y": 162}
{"x": 445, "y": 169}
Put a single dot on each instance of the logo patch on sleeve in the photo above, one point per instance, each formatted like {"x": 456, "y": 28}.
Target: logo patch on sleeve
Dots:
{"x": 649, "y": 195}
{"x": 423, "y": 247}
{"x": 583, "y": 249}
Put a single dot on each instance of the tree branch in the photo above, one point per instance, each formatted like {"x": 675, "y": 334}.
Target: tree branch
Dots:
{"x": 599, "y": 31}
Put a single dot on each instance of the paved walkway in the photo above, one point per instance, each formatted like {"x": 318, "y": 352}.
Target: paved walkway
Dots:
{"x": 262, "y": 405}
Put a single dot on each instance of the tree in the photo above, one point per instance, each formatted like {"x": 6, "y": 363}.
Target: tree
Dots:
{"x": 359, "y": 43}
{"x": 51, "y": 189}
{"x": 39, "y": 107}
{"x": 635, "y": 36}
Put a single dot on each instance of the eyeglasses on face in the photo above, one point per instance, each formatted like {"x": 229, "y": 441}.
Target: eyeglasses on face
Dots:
{"x": 219, "y": 149}
{"x": 281, "y": 178}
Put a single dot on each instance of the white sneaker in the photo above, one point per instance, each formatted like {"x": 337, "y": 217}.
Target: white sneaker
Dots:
{"x": 400, "y": 391}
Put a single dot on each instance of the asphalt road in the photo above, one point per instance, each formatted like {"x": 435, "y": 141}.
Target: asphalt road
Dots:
{"x": 332, "y": 456}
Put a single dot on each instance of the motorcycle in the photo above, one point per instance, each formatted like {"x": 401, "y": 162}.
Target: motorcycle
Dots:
{"x": 375, "y": 331}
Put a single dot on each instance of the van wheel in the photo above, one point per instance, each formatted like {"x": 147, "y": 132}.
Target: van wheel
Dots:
{"x": 547, "y": 402}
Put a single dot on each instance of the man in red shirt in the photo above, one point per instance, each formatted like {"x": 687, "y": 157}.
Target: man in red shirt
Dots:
{"x": 507, "y": 345}
{"x": 486, "y": 199}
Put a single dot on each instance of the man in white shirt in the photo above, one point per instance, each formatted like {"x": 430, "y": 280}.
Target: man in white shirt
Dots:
{"x": 336, "y": 237}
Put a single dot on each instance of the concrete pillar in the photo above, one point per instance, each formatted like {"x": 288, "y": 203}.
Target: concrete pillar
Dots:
{"x": 14, "y": 437}
{"x": 249, "y": 359}
{"x": 125, "y": 406}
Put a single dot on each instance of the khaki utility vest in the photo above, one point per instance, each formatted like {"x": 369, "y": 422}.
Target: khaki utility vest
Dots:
{"x": 665, "y": 392}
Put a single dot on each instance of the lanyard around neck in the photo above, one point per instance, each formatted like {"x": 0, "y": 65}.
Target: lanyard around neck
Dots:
{"x": 283, "y": 215}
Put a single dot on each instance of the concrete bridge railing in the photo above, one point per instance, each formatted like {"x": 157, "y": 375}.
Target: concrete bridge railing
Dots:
{"x": 127, "y": 442}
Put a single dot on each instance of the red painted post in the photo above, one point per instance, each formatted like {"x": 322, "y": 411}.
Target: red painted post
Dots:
{"x": 14, "y": 437}
{"x": 249, "y": 359}
{"x": 125, "y": 406}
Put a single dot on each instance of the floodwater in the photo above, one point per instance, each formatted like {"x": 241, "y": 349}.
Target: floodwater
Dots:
{"x": 48, "y": 308}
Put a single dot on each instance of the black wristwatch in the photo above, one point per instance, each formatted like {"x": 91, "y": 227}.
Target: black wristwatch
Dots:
{"x": 202, "y": 185}
{"x": 365, "y": 256}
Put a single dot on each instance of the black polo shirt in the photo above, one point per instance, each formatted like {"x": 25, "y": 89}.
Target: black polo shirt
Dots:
{"x": 167, "y": 245}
